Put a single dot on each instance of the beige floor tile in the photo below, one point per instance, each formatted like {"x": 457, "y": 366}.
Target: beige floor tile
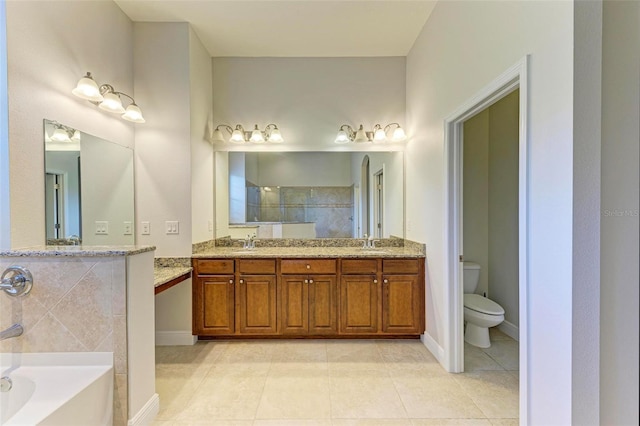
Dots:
{"x": 494, "y": 392}
{"x": 213, "y": 422}
{"x": 371, "y": 422}
{"x": 162, "y": 423}
{"x": 475, "y": 359}
{"x": 450, "y": 422}
{"x": 225, "y": 398}
{"x": 247, "y": 352}
{"x": 505, "y": 353}
{"x": 175, "y": 385}
{"x": 354, "y": 396}
{"x": 496, "y": 334}
{"x": 298, "y": 394}
{"x": 505, "y": 422}
{"x": 292, "y": 422}
{"x": 399, "y": 351}
{"x": 240, "y": 369}
{"x": 311, "y": 356}
{"x": 435, "y": 397}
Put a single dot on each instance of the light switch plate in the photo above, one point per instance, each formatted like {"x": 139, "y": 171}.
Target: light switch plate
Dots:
{"x": 128, "y": 228}
{"x": 146, "y": 228}
{"x": 172, "y": 227}
{"x": 102, "y": 227}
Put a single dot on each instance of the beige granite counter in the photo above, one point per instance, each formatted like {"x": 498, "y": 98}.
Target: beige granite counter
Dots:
{"x": 77, "y": 251}
{"x": 311, "y": 252}
{"x": 169, "y": 271}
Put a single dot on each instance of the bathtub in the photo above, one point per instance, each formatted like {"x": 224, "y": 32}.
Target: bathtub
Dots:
{"x": 57, "y": 389}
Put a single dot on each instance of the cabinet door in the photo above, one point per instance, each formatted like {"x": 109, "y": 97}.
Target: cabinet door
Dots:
{"x": 358, "y": 304}
{"x": 214, "y": 305}
{"x": 323, "y": 305}
{"x": 257, "y": 304}
{"x": 401, "y": 302}
{"x": 294, "y": 296}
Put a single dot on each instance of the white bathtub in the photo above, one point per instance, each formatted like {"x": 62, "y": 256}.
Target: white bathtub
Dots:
{"x": 57, "y": 389}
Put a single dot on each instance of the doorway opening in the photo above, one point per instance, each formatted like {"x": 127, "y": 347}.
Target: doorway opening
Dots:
{"x": 512, "y": 79}
{"x": 378, "y": 201}
{"x": 365, "y": 203}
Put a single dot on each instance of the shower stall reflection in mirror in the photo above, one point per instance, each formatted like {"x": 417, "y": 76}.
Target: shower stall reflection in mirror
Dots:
{"x": 453, "y": 356}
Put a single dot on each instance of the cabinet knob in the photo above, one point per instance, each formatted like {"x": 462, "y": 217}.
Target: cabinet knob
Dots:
{"x": 375, "y": 281}
{"x": 230, "y": 281}
{"x": 308, "y": 266}
{"x": 310, "y": 281}
{"x": 306, "y": 281}
{"x": 386, "y": 281}
{"x": 241, "y": 281}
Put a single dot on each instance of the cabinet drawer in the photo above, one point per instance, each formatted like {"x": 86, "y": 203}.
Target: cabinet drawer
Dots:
{"x": 257, "y": 266}
{"x": 400, "y": 266}
{"x": 359, "y": 266}
{"x": 218, "y": 266}
{"x": 308, "y": 266}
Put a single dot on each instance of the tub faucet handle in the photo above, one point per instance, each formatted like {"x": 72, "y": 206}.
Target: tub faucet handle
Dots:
{"x": 16, "y": 281}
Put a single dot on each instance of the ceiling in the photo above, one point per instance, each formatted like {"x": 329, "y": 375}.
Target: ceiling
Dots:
{"x": 295, "y": 28}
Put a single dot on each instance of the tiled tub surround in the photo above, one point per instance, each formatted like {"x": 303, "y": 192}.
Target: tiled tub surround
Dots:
{"x": 81, "y": 301}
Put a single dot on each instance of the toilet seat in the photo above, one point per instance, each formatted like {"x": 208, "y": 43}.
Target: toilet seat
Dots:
{"x": 477, "y": 303}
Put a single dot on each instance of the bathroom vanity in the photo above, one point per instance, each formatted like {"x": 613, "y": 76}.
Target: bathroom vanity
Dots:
{"x": 309, "y": 292}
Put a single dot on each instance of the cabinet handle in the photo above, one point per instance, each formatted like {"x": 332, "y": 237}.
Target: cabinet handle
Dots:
{"x": 375, "y": 281}
{"x": 310, "y": 281}
{"x": 241, "y": 281}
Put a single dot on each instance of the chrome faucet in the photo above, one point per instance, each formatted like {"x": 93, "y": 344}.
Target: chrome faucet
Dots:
{"x": 14, "y": 331}
{"x": 369, "y": 242}
{"x": 250, "y": 242}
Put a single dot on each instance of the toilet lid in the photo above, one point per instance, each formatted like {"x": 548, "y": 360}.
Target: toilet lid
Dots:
{"x": 481, "y": 304}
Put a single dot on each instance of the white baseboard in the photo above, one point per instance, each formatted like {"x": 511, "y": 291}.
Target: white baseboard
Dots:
{"x": 175, "y": 338}
{"x": 510, "y": 330}
{"x": 147, "y": 413}
{"x": 433, "y": 347}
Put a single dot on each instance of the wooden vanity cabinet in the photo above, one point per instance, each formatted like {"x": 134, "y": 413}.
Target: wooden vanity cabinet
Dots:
{"x": 256, "y": 304}
{"x": 213, "y": 297}
{"x": 309, "y": 304}
{"x": 359, "y": 296}
{"x": 402, "y": 296}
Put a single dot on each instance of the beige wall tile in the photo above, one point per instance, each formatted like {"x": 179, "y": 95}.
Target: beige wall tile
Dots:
{"x": 49, "y": 335}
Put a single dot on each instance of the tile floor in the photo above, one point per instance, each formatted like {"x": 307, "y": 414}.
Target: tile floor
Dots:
{"x": 334, "y": 382}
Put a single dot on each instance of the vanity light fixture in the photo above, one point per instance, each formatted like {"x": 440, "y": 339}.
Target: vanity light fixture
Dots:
{"x": 107, "y": 98}
{"x": 62, "y": 133}
{"x": 271, "y": 134}
{"x": 379, "y": 134}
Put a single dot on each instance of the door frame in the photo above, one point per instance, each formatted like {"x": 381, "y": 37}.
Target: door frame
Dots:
{"x": 513, "y": 78}
{"x": 378, "y": 204}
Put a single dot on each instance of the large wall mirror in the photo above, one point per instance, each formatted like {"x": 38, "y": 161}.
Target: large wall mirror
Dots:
{"x": 309, "y": 194}
{"x": 89, "y": 192}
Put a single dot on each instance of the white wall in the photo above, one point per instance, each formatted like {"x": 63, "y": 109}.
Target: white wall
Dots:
{"x": 619, "y": 346}
{"x": 308, "y": 98}
{"x": 49, "y": 48}
{"x": 463, "y": 47}
{"x": 5, "y": 212}
{"x": 201, "y": 94}
{"x": 163, "y": 144}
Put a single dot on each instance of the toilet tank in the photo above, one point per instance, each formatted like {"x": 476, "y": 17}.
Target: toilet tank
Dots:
{"x": 471, "y": 276}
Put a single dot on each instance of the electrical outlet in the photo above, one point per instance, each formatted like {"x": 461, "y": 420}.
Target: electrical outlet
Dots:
{"x": 146, "y": 228}
{"x": 172, "y": 227}
{"x": 128, "y": 228}
{"x": 102, "y": 227}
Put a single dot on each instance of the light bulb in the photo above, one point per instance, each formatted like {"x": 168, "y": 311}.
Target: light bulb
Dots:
{"x": 342, "y": 137}
{"x": 398, "y": 135}
{"x": 60, "y": 135}
{"x": 76, "y": 136}
{"x": 379, "y": 135}
{"x": 88, "y": 89}
{"x": 133, "y": 114}
{"x": 275, "y": 136}
{"x": 112, "y": 103}
{"x": 237, "y": 136}
{"x": 217, "y": 136}
{"x": 256, "y": 136}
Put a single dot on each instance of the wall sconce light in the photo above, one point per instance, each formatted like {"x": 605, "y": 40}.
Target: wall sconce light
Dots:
{"x": 379, "y": 134}
{"x": 271, "y": 133}
{"x": 62, "y": 133}
{"x": 107, "y": 98}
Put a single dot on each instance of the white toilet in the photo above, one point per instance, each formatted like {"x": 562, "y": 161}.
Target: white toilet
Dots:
{"x": 480, "y": 313}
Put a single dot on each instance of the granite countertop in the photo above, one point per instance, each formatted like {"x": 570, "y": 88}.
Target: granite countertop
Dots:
{"x": 164, "y": 274}
{"x": 308, "y": 252}
{"x": 77, "y": 251}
